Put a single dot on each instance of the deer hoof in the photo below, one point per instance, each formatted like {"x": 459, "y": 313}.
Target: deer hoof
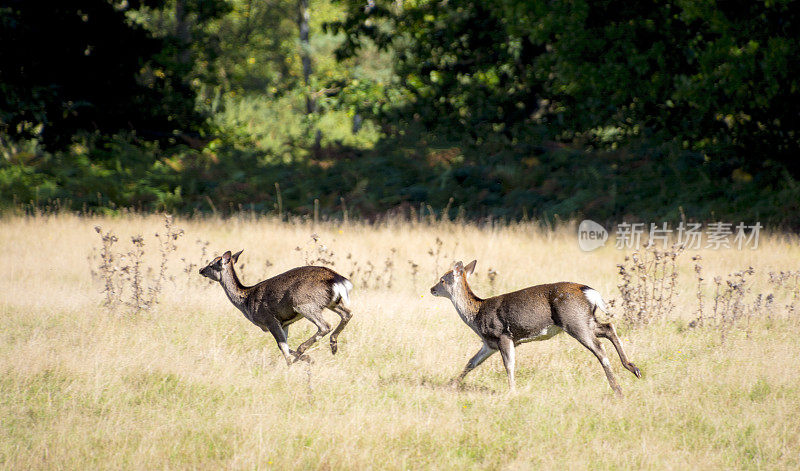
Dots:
{"x": 334, "y": 347}
{"x": 298, "y": 356}
{"x": 304, "y": 358}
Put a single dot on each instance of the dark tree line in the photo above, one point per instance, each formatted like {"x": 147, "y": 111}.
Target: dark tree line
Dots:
{"x": 715, "y": 77}
{"x": 72, "y": 66}
{"x": 509, "y": 107}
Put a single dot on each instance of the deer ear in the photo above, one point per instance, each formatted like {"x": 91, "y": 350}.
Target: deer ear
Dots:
{"x": 235, "y": 256}
{"x": 226, "y": 257}
{"x": 458, "y": 267}
{"x": 470, "y": 268}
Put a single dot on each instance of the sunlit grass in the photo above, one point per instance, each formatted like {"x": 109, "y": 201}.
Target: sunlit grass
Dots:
{"x": 192, "y": 384}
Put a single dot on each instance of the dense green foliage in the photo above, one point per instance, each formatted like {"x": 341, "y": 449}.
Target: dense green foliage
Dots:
{"x": 606, "y": 109}
{"x": 713, "y": 78}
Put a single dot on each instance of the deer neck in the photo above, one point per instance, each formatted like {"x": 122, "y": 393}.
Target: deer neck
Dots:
{"x": 234, "y": 288}
{"x": 466, "y": 303}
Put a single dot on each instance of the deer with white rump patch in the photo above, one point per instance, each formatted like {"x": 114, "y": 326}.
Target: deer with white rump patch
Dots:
{"x": 279, "y": 301}
{"x": 535, "y": 313}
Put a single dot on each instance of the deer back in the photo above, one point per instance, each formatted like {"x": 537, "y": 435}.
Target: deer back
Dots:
{"x": 530, "y": 312}
{"x": 296, "y": 287}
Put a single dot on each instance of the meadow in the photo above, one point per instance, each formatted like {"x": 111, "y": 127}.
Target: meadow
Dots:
{"x": 127, "y": 358}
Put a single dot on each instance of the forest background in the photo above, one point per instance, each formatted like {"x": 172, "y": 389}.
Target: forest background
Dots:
{"x": 507, "y": 109}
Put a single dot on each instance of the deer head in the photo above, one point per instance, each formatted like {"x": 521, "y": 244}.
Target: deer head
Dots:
{"x": 454, "y": 280}
{"x": 215, "y": 268}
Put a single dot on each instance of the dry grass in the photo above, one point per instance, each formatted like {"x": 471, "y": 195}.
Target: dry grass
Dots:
{"x": 189, "y": 383}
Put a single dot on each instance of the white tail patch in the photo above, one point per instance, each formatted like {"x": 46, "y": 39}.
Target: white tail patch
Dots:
{"x": 341, "y": 292}
{"x": 595, "y": 299}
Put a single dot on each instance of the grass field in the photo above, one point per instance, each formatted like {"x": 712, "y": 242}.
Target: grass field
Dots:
{"x": 190, "y": 383}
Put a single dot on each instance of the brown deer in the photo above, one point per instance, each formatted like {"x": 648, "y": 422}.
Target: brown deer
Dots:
{"x": 279, "y": 301}
{"x": 535, "y": 313}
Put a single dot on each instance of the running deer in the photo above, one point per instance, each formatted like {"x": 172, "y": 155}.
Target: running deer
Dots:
{"x": 279, "y": 301}
{"x": 535, "y": 313}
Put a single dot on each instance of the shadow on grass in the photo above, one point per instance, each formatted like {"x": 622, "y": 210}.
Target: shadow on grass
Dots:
{"x": 435, "y": 383}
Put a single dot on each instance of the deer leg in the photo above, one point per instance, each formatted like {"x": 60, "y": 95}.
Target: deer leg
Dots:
{"x": 294, "y": 354}
{"x": 607, "y": 331}
{"x": 280, "y": 336}
{"x": 345, "y": 314}
{"x": 592, "y": 343}
{"x": 484, "y": 353}
{"x": 285, "y": 328}
{"x": 315, "y": 316}
{"x": 507, "y": 351}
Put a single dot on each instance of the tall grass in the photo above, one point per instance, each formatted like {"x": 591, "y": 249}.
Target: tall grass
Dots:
{"x": 190, "y": 383}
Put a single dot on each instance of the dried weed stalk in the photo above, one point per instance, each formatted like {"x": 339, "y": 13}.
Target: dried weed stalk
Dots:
{"x": 491, "y": 273}
{"x": 107, "y": 268}
{"x": 729, "y": 300}
{"x": 732, "y": 306}
{"x": 788, "y": 284}
{"x": 316, "y": 253}
{"x": 414, "y": 272}
{"x": 648, "y": 282}
{"x": 126, "y": 280}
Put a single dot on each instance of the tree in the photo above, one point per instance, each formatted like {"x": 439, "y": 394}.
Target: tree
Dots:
{"x": 83, "y": 66}
{"x": 458, "y": 64}
{"x": 715, "y": 78}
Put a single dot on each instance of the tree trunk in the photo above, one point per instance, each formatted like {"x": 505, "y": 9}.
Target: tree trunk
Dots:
{"x": 182, "y": 33}
{"x": 305, "y": 54}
